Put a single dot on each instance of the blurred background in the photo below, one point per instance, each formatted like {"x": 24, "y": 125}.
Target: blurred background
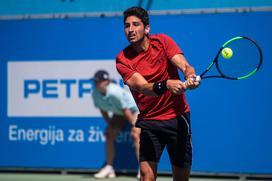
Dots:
{"x": 50, "y": 49}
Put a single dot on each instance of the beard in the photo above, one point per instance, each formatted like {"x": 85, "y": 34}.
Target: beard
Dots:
{"x": 138, "y": 42}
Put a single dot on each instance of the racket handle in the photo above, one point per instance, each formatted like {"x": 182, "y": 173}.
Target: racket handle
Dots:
{"x": 196, "y": 79}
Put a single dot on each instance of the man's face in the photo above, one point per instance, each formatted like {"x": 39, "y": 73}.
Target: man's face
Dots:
{"x": 135, "y": 30}
{"x": 101, "y": 85}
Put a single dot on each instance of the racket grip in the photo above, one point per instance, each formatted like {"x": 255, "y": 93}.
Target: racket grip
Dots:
{"x": 197, "y": 79}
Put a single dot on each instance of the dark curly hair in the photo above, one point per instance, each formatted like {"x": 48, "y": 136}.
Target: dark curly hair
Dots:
{"x": 138, "y": 12}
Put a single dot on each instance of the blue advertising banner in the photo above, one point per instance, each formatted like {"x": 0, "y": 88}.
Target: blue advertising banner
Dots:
{"x": 48, "y": 120}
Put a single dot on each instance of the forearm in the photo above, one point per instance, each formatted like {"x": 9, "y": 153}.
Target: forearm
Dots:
{"x": 174, "y": 86}
{"x": 189, "y": 70}
{"x": 137, "y": 82}
{"x": 181, "y": 63}
{"x": 147, "y": 89}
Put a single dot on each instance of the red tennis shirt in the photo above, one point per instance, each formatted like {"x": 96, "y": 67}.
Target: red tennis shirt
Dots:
{"x": 154, "y": 65}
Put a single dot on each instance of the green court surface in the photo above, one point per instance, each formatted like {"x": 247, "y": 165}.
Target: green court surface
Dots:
{"x": 87, "y": 177}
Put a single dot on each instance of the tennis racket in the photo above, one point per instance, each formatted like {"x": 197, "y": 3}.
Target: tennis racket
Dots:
{"x": 246, "y": 60}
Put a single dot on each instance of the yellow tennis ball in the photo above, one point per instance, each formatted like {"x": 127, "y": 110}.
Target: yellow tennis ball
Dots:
{"x": 227, "y": 53}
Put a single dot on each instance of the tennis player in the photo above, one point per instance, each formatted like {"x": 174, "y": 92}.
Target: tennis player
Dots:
{"x": 109, "y": 97}
{"x": 149, "y": 66}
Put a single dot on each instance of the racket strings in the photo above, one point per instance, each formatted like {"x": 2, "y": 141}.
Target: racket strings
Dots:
{"x": 244, "y": 61}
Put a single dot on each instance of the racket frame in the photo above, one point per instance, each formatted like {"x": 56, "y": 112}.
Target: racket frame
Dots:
{"x": 221, "y": 74}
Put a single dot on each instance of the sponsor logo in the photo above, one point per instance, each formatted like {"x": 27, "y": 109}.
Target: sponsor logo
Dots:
{"x": 54, "y": 88}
